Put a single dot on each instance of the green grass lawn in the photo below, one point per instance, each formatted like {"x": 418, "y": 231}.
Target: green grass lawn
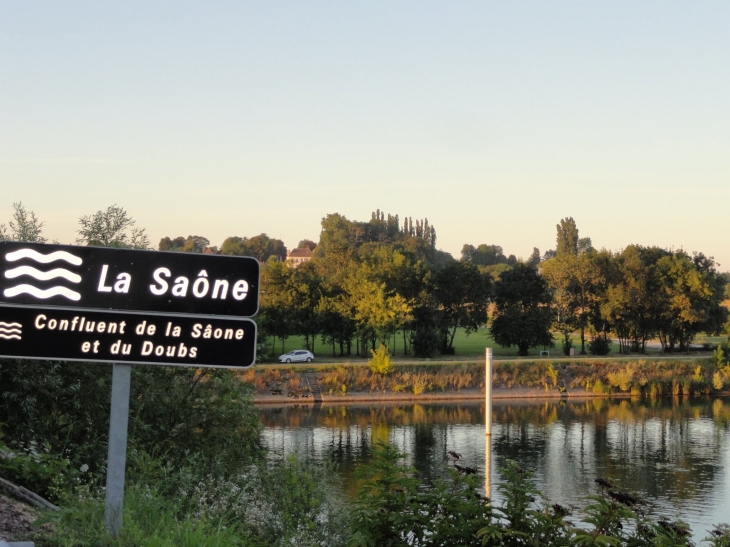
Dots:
{"x": 467, "y": 347}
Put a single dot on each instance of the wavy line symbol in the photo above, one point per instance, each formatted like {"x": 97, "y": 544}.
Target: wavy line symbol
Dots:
{"x": 43, "y": 259}
{"x": 10, "y": 331}
{"x": 42, "y": 293}
{"x": 42, "y": 276}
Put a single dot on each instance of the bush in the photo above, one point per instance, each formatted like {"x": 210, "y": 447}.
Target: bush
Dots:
{"x": 380, "y": 362}
{"x": 39, "y": 470}
{"x": 599, "y": 346}
{"x": 391, "y": 509}
{"x": 295, "y": 501}
{"x": 175, "y": 412}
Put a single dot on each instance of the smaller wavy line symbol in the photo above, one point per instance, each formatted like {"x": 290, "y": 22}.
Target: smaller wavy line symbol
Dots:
{"x": 43, "y": 294}
{"x": 43, "y": 259}
{"x": 10, "y": 331}
{"x": 42, "y": 276}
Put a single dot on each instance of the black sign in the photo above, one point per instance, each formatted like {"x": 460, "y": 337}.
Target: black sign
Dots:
{"x": 33, "y": 274}
{"x": 123, "y": 337}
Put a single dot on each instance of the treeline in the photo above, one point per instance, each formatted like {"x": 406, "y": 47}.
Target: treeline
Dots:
{"x": 368, "y": 282}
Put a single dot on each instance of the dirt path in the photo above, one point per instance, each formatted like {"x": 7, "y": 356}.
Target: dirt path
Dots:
{"x": 16, "y": 520}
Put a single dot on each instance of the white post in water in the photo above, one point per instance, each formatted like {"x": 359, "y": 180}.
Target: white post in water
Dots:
{"x": 488, "y": 425}
{"x": 117, "y": 456}
{"x": 488, "y": 394}
{"x": 488, "y": 467}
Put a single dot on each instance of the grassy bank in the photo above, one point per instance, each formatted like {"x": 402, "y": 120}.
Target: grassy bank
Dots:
{"x": 637, "y": 377}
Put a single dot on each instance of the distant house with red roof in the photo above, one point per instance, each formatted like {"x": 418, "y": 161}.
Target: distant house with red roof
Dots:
{"x": 299, "y": 256}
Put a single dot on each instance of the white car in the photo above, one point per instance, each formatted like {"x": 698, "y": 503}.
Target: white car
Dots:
{"x": 297, "y": 356}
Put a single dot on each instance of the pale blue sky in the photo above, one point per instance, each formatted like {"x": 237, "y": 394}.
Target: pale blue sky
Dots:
{"x": 492, "y": 119}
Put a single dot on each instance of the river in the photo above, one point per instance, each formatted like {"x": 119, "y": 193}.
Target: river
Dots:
{"x": 674, "y": 453}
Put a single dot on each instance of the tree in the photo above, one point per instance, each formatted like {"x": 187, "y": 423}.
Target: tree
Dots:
{"x": 585, "y": 245}
{"x": 574, "y": 281}
{"x": 522, "y": 315}
{"x": 111, "y": 228}
{"x": 461, "y": 292}
{"x": 632, "y": 306}
{"x": 483, "y": 255}
{"x": 691, "y": 297}
{"x": 305, "y": 290}
{"x": 557, "y": 272}
{"x": 262, "y": 247}
{"x": 587, "y": 280}
{"x": 25, "y": 226}
{"x": 236, "y": 246}
{"x": 534, "y": 259}
{"x": 167, "y": 244}
{"x": 276, "y": 301}
{"x": 336, "y": 243}
{"x": 190, "y": 244}
{"x": 567, "y": 239}
{"x": 306, "y": 244}
{"x": 378, "y": 312}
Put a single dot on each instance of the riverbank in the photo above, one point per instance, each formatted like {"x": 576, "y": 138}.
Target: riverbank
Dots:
{"x": 651, "y": 378}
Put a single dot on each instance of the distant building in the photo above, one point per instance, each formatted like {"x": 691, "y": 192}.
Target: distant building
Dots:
{"x": 299, "y": 256}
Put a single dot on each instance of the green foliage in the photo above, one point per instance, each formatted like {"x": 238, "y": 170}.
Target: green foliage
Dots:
{"x": 461, "y": 293}
{"x": 39, "y": 469}
{"x": 599, "y": 345}
{"x": 191, "y": 244}
{"x": 25, "y": 226}
{"x": 487, "y": 255}
{"x": 295, "y": 501}
{"x": 719, "y": 536}
{"x": 111, "y": 228}
{"x": 391, "y": 510}
{"x": 567, "y": 237}
{"x": 180, "y": 412}
{"x": 524, "y": 521}
{"x": 566, "y": 345}
{"x": 522, "y": 316}
{"x": 151, "y": 519}
{"x": 62, "y": 409}
{"x": 721, "y": 355}
{"x": 428, "y": 333}
{"x": 380, "y": 362}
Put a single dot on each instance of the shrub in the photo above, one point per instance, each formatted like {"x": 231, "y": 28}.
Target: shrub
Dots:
{"x": 599, "y": 346}
{"x": 551, "y": 374}
{"x": 380, "y": 362}
{"x": 621, "y": 379}
{"x": 176, "y": 411}
{"x": 420, "y": 384}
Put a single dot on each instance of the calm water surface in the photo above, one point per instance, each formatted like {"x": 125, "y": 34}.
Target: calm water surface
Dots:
{"x": 674, "y": 453}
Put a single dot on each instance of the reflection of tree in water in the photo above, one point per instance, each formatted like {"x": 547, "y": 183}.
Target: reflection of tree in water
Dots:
{"x": 666, "y": 449}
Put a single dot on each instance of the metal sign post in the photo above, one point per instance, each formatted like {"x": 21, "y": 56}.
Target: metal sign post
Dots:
{"x": 125, "y": 306}
{"x": 117, "y": 456}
